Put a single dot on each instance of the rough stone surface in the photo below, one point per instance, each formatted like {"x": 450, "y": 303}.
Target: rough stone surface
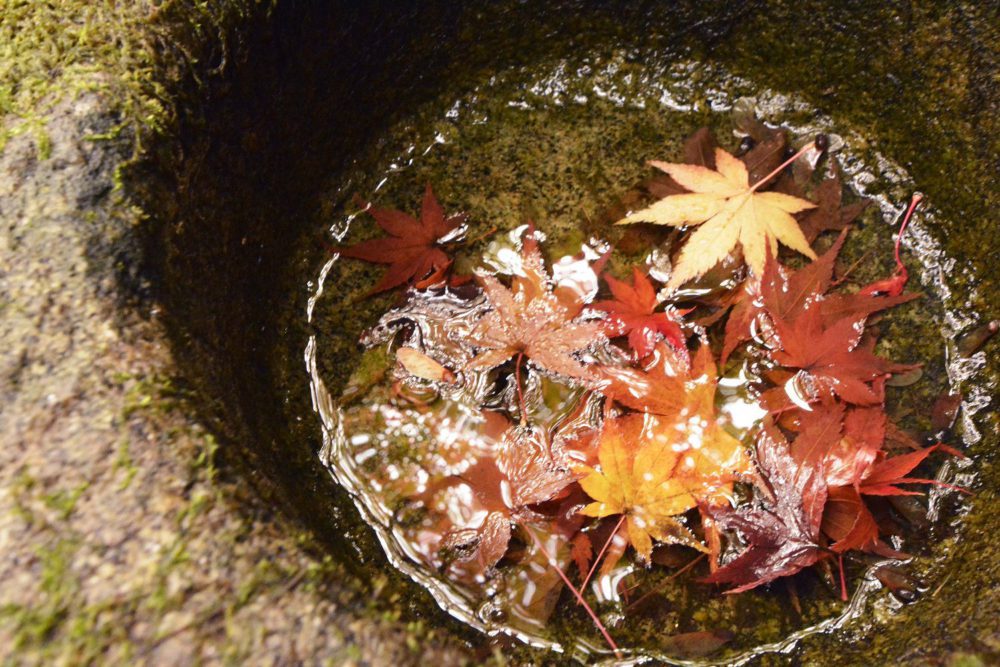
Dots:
{"x": 119, "y": 540}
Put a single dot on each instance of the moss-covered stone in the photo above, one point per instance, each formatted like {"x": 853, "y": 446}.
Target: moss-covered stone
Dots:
{"x": 159, "y": 498}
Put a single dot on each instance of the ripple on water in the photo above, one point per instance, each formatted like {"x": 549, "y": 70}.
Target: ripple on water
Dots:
{"x": 557, "y": 144}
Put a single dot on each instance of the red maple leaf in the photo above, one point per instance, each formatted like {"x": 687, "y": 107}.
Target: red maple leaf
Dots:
{"x": 633, "y": 312}
{"x": 781, "y": 531}
{"x": 847, "y": 519}
{"x": 881, "y": 478}
{"x": 848, "y": 522}
{"x": 845, "y": 444}
{"x": 413, "y": 248}
{"x": 835, "y": 359}
{"x": 779, "y": 293}
{"x": 787, "y": 295}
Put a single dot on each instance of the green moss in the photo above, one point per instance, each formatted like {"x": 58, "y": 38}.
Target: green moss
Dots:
{"x": 51, "y": 51}
{"x": 63, "y": 501}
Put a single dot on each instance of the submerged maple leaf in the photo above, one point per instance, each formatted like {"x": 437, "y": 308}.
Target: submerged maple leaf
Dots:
{"x": 633, "y": 312}
{"x": 412, "y": 250}
{"x": 656, "y": 388}
{"x": 730, "y": 211}
{"x": 640, "y": 481}
{"x": 533, "y": 320}
{"x": 521, "y": 473}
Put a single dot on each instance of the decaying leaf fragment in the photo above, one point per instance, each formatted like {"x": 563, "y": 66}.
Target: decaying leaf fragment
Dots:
{"x": 419, "y": 364}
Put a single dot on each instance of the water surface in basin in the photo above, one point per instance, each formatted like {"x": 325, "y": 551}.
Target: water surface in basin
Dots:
{"x": 560, "y": 145}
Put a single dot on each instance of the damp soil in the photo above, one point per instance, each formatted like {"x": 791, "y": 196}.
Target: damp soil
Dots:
{"x": 560, "y": 143}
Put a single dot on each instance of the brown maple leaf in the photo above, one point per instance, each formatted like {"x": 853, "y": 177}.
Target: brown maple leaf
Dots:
{"x": 533, "y": 320}
{"x": 830, "y": 214}
{"x": 633, "y": 312}
{"x": 413, "y": 248}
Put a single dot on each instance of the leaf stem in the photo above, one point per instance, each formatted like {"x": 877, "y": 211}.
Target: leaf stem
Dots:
{"x": 843, "y": 579}
{"x": 576, "y": 593}
{"x": 604, "y": 549}
{"x": 489, "y": 232}
{"x": 520, "y": 392}
{"x": 914, "y": 201}
{"x": 781, "y": 167}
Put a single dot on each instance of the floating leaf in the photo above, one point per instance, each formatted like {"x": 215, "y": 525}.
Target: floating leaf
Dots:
{"x": 730, "y": 211}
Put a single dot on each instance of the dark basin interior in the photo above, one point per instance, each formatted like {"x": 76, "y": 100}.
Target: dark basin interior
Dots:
{"x": 239, "y": 217}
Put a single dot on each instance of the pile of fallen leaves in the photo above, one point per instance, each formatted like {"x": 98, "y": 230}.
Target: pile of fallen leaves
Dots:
{"x": 636, "y": 451}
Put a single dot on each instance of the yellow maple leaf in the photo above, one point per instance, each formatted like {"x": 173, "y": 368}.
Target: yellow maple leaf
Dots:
{"x": 637, "y": 480}
{"x": 655, "y": 467}
{"x": 730, "y": 212}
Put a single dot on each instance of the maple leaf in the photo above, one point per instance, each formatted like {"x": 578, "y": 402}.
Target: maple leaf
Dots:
{"x": 633, "y": 312}
{"x": 412, "y": 250}
{"x": 782, "y": 532}
{"x": 769, "y": 144}
{"x": 847, "y": 519}
{"x": 640, "y": 483}
{"x": 850, "y": 456}
{"x": 532, "y": 319}
{"x": 882, "y": 477}
{"x": 699, "y": 149}
{"x": 681, "y": 391}
{"x": 716, "y": 457}
{"x": 730, "y": 212}
{"x": 700, "y": 457}
{"x": 846, "y": 445}
{"x": 848, "y": 522}
{"x": 520, "y": 474}
{"x": 786, "y": 294}
{"x": 834, "y": 359}
{"x": 830, "y": 214}
{"x": 656, "y": 388}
